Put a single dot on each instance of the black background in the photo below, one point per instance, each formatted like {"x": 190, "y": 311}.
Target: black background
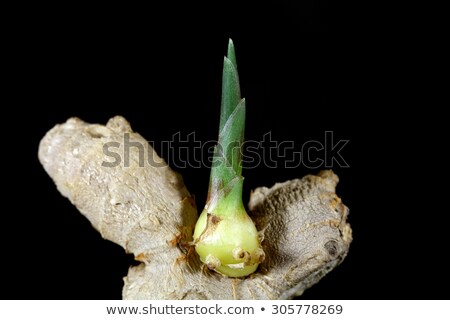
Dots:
{"x": 304, "y": 70}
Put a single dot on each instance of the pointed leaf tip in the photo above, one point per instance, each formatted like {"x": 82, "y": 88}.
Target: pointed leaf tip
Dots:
{"x": 231, "y": 53}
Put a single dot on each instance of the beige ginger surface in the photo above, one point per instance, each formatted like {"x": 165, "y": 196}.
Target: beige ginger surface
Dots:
{"x": 149, "y": 212}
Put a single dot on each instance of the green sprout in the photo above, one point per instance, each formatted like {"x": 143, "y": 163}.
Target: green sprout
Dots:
{"x": 225, "y": 236}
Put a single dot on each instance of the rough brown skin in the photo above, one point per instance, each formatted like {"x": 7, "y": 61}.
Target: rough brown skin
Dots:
{"x": 149, "y": 212}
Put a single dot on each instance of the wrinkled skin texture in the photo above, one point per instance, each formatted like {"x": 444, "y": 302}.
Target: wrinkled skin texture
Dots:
{"x": 149, "y": 212}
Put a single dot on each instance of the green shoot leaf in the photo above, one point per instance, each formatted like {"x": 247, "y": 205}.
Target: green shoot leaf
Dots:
{"x": 225, "y": 236}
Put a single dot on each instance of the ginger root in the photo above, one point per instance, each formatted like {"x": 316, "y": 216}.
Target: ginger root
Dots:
{"x": 150, "y": 213}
